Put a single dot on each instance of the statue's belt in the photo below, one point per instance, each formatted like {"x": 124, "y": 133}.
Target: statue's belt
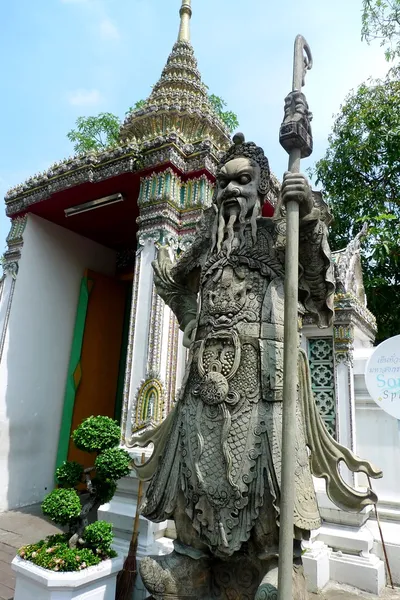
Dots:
{"x": 266, "y": 331}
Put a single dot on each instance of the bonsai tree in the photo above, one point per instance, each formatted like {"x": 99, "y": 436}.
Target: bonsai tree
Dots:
{"x": 69, "y": 505}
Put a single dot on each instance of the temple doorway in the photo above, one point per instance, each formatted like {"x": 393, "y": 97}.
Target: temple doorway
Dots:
{"x": 98, "y": 355}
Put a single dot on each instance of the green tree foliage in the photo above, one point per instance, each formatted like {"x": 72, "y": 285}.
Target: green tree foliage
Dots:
{"x": 69, "y": 474}
{"x": 105, "y": 489}
{"x": 62, "y": 505}
{"x": 99, "y": 536}
{"x": 95, "y": 133}
{"x": 137, "y": 106}
{"x": 227, "y": 116}
{"x": 113, "y": 464}
{"x": 361, "y": 175}
{"x": 381, "y": 21}
{"x": 96, "y": 434}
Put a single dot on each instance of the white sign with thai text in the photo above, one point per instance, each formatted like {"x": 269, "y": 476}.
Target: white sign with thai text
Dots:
{"x": 382, "y": 376}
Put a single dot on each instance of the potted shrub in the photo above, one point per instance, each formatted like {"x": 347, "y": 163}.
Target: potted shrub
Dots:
{"x": 79, "y": 563}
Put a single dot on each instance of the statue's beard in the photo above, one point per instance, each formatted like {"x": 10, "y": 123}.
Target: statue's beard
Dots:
{"x": 224, "y": 230}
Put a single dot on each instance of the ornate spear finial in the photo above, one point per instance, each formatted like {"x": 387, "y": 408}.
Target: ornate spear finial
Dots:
{"x": 185, "y": 14}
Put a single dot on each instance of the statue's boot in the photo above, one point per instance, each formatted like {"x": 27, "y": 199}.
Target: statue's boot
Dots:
{"x": 176, "y": 576}
{"x": 268, "y": 589}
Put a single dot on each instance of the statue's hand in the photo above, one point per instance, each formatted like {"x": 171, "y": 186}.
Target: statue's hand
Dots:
{"x": 296, "y": 187}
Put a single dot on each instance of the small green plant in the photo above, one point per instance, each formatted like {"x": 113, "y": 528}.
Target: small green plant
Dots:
{"x": 99, "y": 537}
{"x": 82, "y": 545}
{"x": 112, "y": 464}
{"x": 96, "y": 434}
{"x": 69, "y": 474}
{"x": 62, "y": 506}
{"x": 56, "y": 555}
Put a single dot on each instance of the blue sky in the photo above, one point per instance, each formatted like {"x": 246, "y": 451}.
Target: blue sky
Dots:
{"x": 66, "y": 58}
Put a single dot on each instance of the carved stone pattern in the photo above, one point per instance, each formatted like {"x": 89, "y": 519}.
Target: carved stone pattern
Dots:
{"x": 95, "y": 167}
{"x": 320, "y": 353}
{"x": 160, "y": 216}
{"x": 155, "y": 333}
{"x": 167, "y": 186}
{"x": 129, "y": 354}
{"x": 172, "y": 355}
{"x": 17, "y": 230}
{"x": 81, "y": 169}
{"x": 15, "y": 242}
{"x": 349, "y": 309}
{"x": 348, "y": 268}
{"x": 343, "y": 336}
{"x": 149, "y": 406}
{"x": 10, "y": 263}
{"x": 154, "y": 236}
{"x": 7, "y": 316}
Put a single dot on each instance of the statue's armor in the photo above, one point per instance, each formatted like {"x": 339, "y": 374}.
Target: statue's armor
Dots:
{"x": 229, "y": 424}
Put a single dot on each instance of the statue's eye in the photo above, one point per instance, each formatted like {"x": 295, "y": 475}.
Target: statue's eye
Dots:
{"x": 244, "y": 179}
{"x": 223, "y": 183}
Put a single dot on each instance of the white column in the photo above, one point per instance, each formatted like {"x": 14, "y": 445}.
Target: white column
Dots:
{"x": 139, "y": 330}
{"x": 343, "y": 351}
{"x": 10, "y": 269}
{"x": 6, "y": 295}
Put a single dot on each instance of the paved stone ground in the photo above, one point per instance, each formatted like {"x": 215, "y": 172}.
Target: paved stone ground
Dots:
{"x": 27, "y": 525}
{"x": 17, "y": 528}
{"x": 334, "y": 591}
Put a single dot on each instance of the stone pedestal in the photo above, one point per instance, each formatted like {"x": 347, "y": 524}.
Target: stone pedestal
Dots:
{"x": 316, "y": 565}
{"x": 343, "y": 549}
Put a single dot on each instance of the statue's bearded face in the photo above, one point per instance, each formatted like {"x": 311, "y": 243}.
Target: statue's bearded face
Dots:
{"x": 238, "y": 203}
{"x": 237, "y": 187}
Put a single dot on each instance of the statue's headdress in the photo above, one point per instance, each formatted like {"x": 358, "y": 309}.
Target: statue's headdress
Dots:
{"x": 253, "y": 152}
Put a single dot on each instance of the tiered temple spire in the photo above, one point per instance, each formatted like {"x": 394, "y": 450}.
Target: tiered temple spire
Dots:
{"x": 179, "y": 101}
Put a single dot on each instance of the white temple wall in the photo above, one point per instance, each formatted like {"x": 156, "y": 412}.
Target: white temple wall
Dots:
{"x": 377, "y": 436}
{"x": 36, "y": 354}
{"x": 378, "y": 440}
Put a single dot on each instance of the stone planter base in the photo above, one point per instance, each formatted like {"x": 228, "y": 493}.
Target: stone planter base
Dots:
{"x": 94, "y": 583}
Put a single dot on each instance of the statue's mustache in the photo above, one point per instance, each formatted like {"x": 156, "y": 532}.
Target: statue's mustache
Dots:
{"x": 231, "y": 194}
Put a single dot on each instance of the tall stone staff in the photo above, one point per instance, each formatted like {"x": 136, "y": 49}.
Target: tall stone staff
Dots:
{"x": 295, "y": 137}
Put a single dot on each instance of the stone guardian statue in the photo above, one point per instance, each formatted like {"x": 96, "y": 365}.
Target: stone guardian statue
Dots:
{"x": 216, "y": 465}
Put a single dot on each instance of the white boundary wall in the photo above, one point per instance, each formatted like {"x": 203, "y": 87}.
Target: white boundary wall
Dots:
{"x": 35, "y": 359}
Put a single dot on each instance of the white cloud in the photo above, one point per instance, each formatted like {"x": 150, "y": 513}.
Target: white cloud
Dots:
{"x": 84, "y": 97}
{"x": 108, "y": 31}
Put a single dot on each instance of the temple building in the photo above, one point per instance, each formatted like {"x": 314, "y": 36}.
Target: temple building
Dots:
{"x": 83, "y": 332}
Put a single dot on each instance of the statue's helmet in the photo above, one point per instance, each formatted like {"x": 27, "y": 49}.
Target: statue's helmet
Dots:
{"x": 241, "y": 148}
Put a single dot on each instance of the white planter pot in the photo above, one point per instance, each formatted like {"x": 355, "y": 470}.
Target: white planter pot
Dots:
{"x": 93, "y": 583}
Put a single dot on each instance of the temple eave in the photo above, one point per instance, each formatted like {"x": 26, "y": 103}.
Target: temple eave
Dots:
{"x": 158, "y": 152}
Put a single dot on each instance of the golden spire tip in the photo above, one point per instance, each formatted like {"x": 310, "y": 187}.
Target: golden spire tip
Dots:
{"x": 185, "y": 14}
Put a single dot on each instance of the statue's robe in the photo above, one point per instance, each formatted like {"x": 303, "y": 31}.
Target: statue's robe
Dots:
{"x": 221, "y": 445}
